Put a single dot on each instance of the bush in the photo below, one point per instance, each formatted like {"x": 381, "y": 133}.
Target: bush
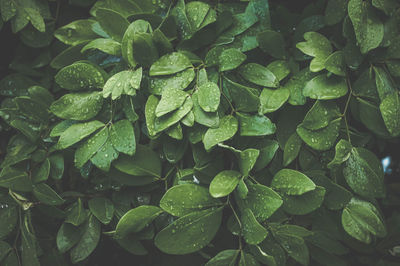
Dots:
{"x": 138, "y": 132}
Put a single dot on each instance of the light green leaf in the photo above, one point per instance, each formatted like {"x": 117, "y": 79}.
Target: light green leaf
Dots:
{"x": 204, "y": 118}
{"x": 390, "y": 110}
{"x": 259, "y": 75}
{"x": 35, "y": 18}
{"x": 89, "y": 148}
{"x": 180, "y": 80}
{"x": 113, "y": 23}
{"x": 292, "y": 182}
{"x": 342, "y": 153}
{"x": 272, "y": 100}
{"x": 335, "y": 63}
{"x": 279, "y": 68}
{"x": 168, "y": 120}
{"x": 102, "y": 208}
{"x": 184, "y": 199}
{"x": 47, "y": 195}
{"x": 76, "y": 106}
{"x": 316, "y": 45}
{"x": 150, "y": 114}
{"x": 136, "y": 219}
{"x": 171, "y": 99}
{"x": 189, "y": 233}
{"x": 362, "y": 220}
{"x": 208, "y": 95}
{"x": 170, "y": 64}
{"x": 196, "y": 12}
{"x": 123, "y": 137}
{"x": 296, "y": 85}
{"x": 255, "y": 125}
{"x": 367, "y": 25}
{"x": 124, "y": 82}
{"x": 88, "y": 243}
{"x": 107, "y": 46}
{"x": 226, "y": 130}
{"x": 320, "y": 115}
{"x": 80, "y": 76}
{"x": 323, "y": 88}
{"x": 364, "y": 174}
{"x": 77, "y": 132}
{"x": 105, "y": 156}
{"x": 230, "y": 59}
{"x": 247, "y": 160}
{"x": 224, "y": 183}
{"x": 322, "y": 139}
{"x": 253, "y": 232}
{"x": 261, "y": 200}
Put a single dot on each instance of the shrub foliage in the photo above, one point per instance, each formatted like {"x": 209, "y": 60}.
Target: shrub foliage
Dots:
{"x": 199, "y": 132}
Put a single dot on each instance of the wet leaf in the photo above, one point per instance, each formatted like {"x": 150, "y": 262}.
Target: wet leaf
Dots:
{"x": 208, "y": 95}
{"x": 253, "y": 232}
{"x": 255, "y": 125}
{"x": 226, "y": 130}
{"x": 77, "y": 132}
{"x": 230, "y": 59}
{"x": 259, "y": 75}
{"x": 224, "y": 183}
{"x": 80, "y": 76}
{"x": 292, "y": 182}
{"x": 123, "y": 137}
{"x": 170, "y": 64}
{"x": 323, "y": 88}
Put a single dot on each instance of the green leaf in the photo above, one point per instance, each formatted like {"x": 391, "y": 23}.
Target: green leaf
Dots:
{"x": 170, "y": 64}
{"x": 123, "y": 137}
{"x": 320, "y": 115}
{"x": 168, "y": 120}
{"x": 150, "y": 114}
{"x": 8, "y": 10}
{"x": 102, "y": 209}
{"x": 136, "y": 219}
{"x": 32, "y": 109}
{"x": 67, "y": 237}
{"x": 272, "y": 100}
{"x": 267, "y": 149}
{"x": 226, "y": 130}
{"x": 107, "y": 46}
{"x": 367, "y": 25}
{"x": 123, "y": 83}
{"x": 80, "y": 76}
{"x": 253, "y": 232}
{"x": 189, "y": 233}
{"x": 15, "y": 180}
{"x": 296, "y": 85}
{"x": 292, "y": 182}
{"x": 305, "y": 203}
{"x": 322, "y": 139}
{"x": 230, "y": 59}
{"x": 362, "y": 220}
{"x": 8, "y": 220}
{"x": 291, "y": 149}
{"x": 36, "y": 19}
{"x": 171, "y": 99}
{"x": 208, "y": 95}
{"x": 272, "y": 43}
{"x": 247, "y": 160}
{"x": 384, "y": 84}
{"x": 255, "y": 125}
{"x": 47, "y": 195}
{"x": 130, "y": 36}
{"x": 224, "y": 258}
{"x": 323, "y": 88}
{"x": 184, "y": 199}
{"x": 42, "y": 172}
{"x": 390, "y": 110}
{"x": 295, "y": 247}
{"x": 242, "y": 97}
{"x": 89, "y": 148}
{"x": 335, "y": 63}
{"x": 77, "y": 132}
{"x": 76, "y": 32}
{"x": 105, "y": 156}
{"x": 76, "y": 214}
{"x": 224, "y": 183}
{"x": 247, "y": 259}
{"x": 279, "y": 68}
{"x": 56, "y": 166}
{"x": 145, "y": 162}
{"x": 342, "y": 153}
{"x": 88, "y": 242}
{"x": 113, "y": 23}
{"x": 180, "y": 80}
{"x": 202, "y": 117}
{"x": 259, "y": 75}
{"x": 196, "y": 12}
{"x": 364, "y": 174}
{"x": 335, "y": 11}
{"x": 316, "y": 45}
{"x": 261, "y": 200}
